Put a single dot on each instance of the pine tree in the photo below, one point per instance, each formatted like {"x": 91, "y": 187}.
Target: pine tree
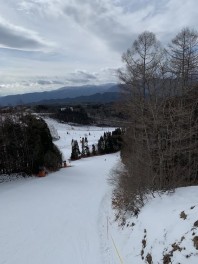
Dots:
{"x": 101, "y": 145}
{"x": 75, "y": 150}
{"x": 93, "y": 149}
{"x": 83, "y": 147}
{"x": 86, "y": 148}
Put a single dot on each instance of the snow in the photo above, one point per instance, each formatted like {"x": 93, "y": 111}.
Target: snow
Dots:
{"x": 67, "y": 132}
{"x": 160, "y": 225}
{"x": 66, "y": 217}
{"x": 56, "y": 219}
{"x": 53, "y": 132}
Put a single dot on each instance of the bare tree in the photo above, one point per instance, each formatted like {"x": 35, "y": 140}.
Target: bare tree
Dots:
{"x": 183, "y": 52}
{"x": 160, "y": 143}
{"x": 142, "y": 87}
{"x": 142, "y": 62}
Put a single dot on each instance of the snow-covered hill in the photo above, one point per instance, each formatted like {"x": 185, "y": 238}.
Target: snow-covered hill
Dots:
{"x": 67, "y": 217}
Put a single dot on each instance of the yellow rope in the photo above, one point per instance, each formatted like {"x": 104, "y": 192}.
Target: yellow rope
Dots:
{"x": 121, "y": 261}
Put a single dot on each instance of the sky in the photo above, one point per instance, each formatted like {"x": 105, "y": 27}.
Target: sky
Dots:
{"x": 47, "y": 44}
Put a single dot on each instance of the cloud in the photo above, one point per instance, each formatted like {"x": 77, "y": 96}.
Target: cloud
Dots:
{"x": 15, "y": 37}
{"x": 102, "y": 19}
{"x": 82, "y": 40}
{"x": 47, "y": 82}
{"x": 84, "y": 74}
{"x": 16, "y": 85}
{"x": 116, "y": 23}
{"x": 81, "y": 77}
{"x": 41, "y": 7}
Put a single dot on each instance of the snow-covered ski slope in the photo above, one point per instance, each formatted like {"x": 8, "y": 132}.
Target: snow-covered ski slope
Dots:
{"x": 66, "y": 217}
{"x": 68, "y": 132}
{"x": 56, "y": 219}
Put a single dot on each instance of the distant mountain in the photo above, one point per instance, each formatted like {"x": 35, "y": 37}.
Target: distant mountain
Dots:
{"x": 107, "y": 97}
{"x": 64, "y": 92}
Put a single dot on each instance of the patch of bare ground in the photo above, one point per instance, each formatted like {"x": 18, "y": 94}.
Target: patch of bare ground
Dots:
{"x": 143, "y": 244}
{"x": 149, "y": 259}
{"x": 183, "y": 215}
{"x": 195, "y": 242}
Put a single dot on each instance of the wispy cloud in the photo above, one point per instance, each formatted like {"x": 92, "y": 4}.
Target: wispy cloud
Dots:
{"x": 16, "y": 37}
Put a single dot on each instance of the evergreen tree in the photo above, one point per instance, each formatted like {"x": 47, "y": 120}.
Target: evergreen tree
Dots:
{"x": 86, "y": 147}
{"x": 110, "y": 142}
{"x": 26, "y": 144}
{"x": 93, "y": 149}
{"x": 75, "y": 150}
{"x": 83, "y": 147}
{"x": 101, "y": 145}
{"x": 87, "y": 151}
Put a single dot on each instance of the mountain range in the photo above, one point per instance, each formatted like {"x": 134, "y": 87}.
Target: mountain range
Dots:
{"x": 68, "y": 93}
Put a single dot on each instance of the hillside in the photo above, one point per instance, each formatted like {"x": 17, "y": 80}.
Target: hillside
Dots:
{"x": 165, "y": 232}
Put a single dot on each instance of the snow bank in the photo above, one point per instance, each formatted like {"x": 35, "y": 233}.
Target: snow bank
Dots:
{"x": 164, "y": 231}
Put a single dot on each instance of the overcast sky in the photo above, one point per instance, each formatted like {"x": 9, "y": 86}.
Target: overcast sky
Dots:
{"x": 52, "y": 43}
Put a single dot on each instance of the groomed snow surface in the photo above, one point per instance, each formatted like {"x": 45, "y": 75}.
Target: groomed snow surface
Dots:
{"x": 66, "y": 217}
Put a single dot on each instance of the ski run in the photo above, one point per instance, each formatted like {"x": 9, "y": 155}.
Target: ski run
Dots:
{"x": 66, "y": 217}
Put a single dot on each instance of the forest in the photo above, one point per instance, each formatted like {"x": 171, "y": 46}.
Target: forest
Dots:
{"x": 26, "y": 145}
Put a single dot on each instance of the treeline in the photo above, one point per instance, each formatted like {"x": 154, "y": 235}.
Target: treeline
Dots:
{"x": 26, "y": 145}
{"x": 160, "y": 96}
{"x": 75, "y": 114}
{"x": 102, "y": 114}
{"x": 110, "y": 142}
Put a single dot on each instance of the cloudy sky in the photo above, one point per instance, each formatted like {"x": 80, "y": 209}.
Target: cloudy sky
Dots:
{"x": 46, "y": 44}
